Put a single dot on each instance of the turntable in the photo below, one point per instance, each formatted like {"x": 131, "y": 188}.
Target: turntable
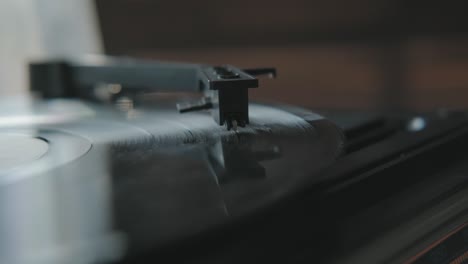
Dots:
{"x": 131, "y": 161}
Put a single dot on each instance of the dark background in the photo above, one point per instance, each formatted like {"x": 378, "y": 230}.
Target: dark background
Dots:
{"x": 347, "y": 54}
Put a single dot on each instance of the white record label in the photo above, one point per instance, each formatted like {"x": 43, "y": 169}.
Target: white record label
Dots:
{"x": 17, "y": 150}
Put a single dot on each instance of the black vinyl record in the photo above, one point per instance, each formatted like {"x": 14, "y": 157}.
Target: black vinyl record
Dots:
{"x": 119, "y": 182}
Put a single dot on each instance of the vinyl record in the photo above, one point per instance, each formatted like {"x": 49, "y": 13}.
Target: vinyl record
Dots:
{"x": 146, "y": 177}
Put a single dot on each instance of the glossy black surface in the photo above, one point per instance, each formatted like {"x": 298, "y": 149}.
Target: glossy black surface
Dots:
{"x": 147, "y": 184}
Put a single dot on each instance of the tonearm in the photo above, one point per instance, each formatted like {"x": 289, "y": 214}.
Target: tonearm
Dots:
{"x": 225, "y": 88}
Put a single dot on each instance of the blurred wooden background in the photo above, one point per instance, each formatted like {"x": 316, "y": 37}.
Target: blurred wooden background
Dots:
{"x": 348, "y": 54}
